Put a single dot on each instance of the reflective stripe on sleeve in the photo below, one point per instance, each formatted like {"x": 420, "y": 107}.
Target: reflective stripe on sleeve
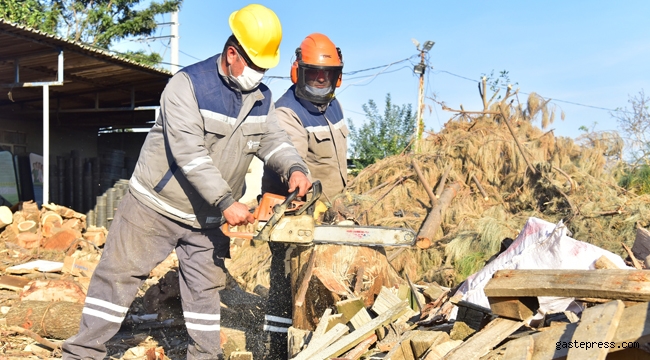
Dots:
{"x": 196, "y": 162}
{"x": 280, "y": 147}
{"x": 170, "y": 209}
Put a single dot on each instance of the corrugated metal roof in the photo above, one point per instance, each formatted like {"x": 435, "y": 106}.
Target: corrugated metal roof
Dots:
{"x": 93, "y": 78}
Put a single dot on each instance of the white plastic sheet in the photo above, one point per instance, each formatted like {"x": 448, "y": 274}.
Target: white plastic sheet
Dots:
{"x": 540, "y": 245}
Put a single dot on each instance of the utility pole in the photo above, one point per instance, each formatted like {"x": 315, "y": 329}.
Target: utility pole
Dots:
{"x": 174, "y": 43}
{"x": 420, "y": 69}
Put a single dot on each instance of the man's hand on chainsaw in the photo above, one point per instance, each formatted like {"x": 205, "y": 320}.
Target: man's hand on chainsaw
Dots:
{"x": 238, "y": 214}
{"x": 299, "y": 181}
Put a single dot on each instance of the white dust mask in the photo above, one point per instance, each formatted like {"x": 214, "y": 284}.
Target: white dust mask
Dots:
{"x": 249, "y": 78}
{"x": 318, "y": 91}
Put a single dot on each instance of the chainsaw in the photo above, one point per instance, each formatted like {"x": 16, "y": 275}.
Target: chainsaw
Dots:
{"x": 286, "y": 220}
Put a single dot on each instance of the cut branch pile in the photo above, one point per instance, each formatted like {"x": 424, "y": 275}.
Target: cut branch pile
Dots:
{"x": 490, "y": 171}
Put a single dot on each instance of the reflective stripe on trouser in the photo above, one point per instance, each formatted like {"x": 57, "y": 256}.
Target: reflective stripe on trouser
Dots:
{"x": 279, "y": 306}
{"x": 138, "y": 240}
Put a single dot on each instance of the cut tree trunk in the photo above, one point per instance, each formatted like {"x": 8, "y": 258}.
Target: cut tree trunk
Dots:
{"x": 432, "y": 223}
{"x": 58, "y": 320}
{"x": 333, "y": 275}
{"x": 30, "y": 211}
{"x": 6, "y": 217}
{"x": 29, "y": 240}
{"x": 10, "y": 233}
{"x": 27, "y": 226}
{"x": 53, "y": 290}
{"x": 51, "y": 223}
{"x": 62, "y": 240}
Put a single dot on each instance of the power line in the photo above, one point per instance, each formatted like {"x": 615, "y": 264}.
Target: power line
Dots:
{"x": 357, "y": 71}
{"x": 381, "y": 66}
{"x": 352, "y": 111}
{"x": 193, "y": 57}
{"x": 552, "y": 99}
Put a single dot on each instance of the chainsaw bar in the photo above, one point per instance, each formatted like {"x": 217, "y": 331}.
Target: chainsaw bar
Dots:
{"x": 363, "y": 235}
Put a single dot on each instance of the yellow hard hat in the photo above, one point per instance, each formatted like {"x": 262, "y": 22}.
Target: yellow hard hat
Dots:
{"x": 259, "y": 32}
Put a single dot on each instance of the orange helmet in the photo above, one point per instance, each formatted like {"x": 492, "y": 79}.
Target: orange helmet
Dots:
{"x": 318, "y": 69}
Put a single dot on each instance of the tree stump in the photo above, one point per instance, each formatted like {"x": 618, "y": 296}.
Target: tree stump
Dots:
{"x": 58, "y": 319}
{"x": 335, "y": 274}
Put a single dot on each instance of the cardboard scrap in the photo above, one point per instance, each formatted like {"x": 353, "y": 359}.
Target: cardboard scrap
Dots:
{"x": 36, "y": 265}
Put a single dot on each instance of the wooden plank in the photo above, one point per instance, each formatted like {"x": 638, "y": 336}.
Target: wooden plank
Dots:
{"x": 634, "y": 325}
{"x": 361, "y": 348}
{"x": 518, "y": 308}
{"x": 633, "y": 258}
{"x": 360, "y": 318}
{"x": 321, "y": 328}
{"x": 598, "y": 324}
{"x": 349, "y": 307}
{"x": 414, "y": 294}
{"x": 439, "y": 351}
{"x": 482, "y": 342}
{"x": 601, "y": 283}
{"x": 349, "y": 341}
{"x": 402, "y": 350}
{"x": 422, "y": 341}
{"x": 15, "y": 283}
{"x": 520, "y": 349}
{"x": 385, "y": 301}
{"x": 629, "y": 354}
{"x": 318, "y": 345}
{"x": 334, "y": 320}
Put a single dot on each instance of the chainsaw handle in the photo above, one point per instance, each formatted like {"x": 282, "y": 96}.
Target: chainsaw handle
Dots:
{"x": 225, "y": 229}
{"x": 290, "y": 198}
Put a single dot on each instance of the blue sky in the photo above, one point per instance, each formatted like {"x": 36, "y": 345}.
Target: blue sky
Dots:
{"x": 594, "y": 53}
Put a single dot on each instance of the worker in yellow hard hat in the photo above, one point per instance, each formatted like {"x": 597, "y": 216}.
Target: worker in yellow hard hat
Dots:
{"x": 187, "y": 182}
{"x": 312, "y": 116}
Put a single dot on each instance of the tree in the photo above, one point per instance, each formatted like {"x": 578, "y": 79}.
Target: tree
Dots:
{"x": 98, "y": 23}
{"x": 635, "y": 125}
{"x": 102, "y": 22}
{"x": 30, "y": 13}
{"x": 381, "y": 135}
{"x": 496, "y": 82}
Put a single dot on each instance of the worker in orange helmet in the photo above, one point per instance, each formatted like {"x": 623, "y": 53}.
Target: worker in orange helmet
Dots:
{"x": 312, "y": 116}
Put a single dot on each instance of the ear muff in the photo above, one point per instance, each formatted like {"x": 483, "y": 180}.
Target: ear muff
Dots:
{"x": 338, "y": 82}
{"x": 294, "y": 72}
{"x": 294, "y": 66}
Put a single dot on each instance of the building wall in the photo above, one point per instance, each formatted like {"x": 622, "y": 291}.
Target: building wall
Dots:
{"x": 62, "y": 140}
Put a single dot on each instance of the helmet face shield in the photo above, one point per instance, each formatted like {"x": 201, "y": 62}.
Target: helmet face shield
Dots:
{"x": 317, "y": 83}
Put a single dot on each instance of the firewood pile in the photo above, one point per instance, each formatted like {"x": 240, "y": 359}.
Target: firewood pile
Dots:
{"x": 47, "y": 257}
{"x": 513, "y": 308}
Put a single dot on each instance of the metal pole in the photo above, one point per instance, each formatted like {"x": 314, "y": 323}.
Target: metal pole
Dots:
{"x": 174, "y": 43}
{"x": 420, "y": 122}
{"x": 46, "y": 144}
